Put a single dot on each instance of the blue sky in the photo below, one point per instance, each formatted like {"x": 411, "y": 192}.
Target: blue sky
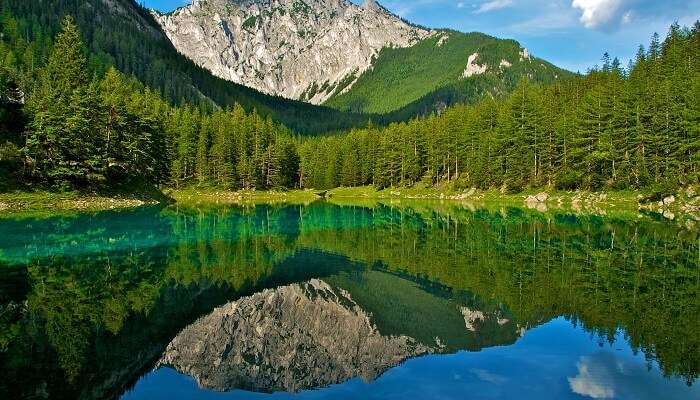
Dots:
{"x": 570, "y": 33}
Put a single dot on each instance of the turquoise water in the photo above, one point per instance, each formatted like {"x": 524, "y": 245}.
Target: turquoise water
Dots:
{"x": 352, "y": 302}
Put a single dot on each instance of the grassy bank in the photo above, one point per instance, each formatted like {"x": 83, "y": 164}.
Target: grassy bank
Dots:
{"x": 44, "y": 202}
{"x": 40, "y": 202}
{"x": 684, "y": 203}
{"x": 203, "y": 196}
{"x": 575, "y": 199}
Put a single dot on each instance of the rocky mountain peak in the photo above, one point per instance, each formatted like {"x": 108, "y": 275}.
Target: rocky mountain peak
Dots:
{"x": 300, "y": 49}
{"x": 370, "y": 4}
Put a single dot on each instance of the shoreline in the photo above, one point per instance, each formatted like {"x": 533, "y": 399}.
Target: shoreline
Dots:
{"x": 47, "y": 202}
{"x": 684, "y": 203}
{"x": 214, "y": 197}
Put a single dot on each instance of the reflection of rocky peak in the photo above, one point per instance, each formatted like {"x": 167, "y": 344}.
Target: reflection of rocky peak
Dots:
{"x": 292, "y": 338}
{"x": 327, "y": 331}
{"x": 472, "y": 318}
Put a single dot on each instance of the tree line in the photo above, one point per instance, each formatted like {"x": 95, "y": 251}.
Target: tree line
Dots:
{"x": 614, "y": 128}
{"x": 104, "y": 130}
{"x": 125, "y": 35}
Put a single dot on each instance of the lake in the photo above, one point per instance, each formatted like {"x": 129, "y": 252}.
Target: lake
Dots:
{"x": 369, "y": 301}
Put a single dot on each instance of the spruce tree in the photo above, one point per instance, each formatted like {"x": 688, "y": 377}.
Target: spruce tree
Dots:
{"x": 65, "y": 144}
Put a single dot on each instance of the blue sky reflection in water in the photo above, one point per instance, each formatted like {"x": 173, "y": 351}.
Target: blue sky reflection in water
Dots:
{"x": 553, "y": 361}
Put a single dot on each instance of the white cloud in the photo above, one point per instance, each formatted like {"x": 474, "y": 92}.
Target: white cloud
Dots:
{"x": 596, "y": 13}
{"x": 593, "y": 379}
{"x": 493, "y": 5}
{"x": 487, "y": 376}
{"x": 551, "y": 17}
{"x": 628, "y": 18}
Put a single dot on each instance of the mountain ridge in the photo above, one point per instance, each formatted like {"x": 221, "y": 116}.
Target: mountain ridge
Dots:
{"x": 124, "y": 34}
{"x": 298, "y": 49}
{"x": 355, "y": 58}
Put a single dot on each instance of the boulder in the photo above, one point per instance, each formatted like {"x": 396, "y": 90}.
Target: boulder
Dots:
{"x": 669, "y": 200}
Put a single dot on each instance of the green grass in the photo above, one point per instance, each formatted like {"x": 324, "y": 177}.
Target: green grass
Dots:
{"x": 612, "y": 203}
{"x": 401, "y": 76}
{"x": 41, "y": 203}
{"x": 205, "y": 196}
{"x": 578, "y": 201}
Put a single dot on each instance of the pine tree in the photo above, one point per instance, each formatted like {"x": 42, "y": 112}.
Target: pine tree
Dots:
{"x": 222, "y": 157}
{"x": 64, "y": 143}
{"x": 520, "y": 141}
{"x": 287, "y": 156}
{"x": 203, "y": 150}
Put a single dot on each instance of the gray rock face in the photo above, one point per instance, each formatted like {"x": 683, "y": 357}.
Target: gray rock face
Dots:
{"x": 300, "y": 49}
{"x": 292, "y": 338}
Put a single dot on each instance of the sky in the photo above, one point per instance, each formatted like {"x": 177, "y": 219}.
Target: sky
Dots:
{"x": 572, "y": 34}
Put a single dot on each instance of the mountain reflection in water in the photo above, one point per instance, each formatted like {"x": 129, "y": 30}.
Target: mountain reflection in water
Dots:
{"x": 311, "y": 335}
{"x": 328, "y": 301}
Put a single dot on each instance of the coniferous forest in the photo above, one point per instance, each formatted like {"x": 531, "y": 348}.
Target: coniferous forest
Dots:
{"x": 68, "y": 125}
{"x": 106, "y": 292}
{"x": 124, "y": 34}
{"x": 614, "y": 128}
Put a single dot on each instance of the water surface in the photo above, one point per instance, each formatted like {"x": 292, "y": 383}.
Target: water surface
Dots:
{"x": 348, "y": 302}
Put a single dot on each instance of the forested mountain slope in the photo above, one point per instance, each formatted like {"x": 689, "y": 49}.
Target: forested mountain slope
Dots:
{"x": 124, "y": 34}
{"x": 447, "y": 68}
{"x": 354, "y": 58}
{"x": 65, "y": 127}
{"x": 612, "y": 129}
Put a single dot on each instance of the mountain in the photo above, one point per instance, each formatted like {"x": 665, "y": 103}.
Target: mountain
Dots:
{"x": 298, "y": 52}
{"x": 292, "y": 338}
{"x": 124, "y": 34}
{"x": 447, "y": 67}
{"x": 355, "y": 58}
{"x": 300, "y": 49}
